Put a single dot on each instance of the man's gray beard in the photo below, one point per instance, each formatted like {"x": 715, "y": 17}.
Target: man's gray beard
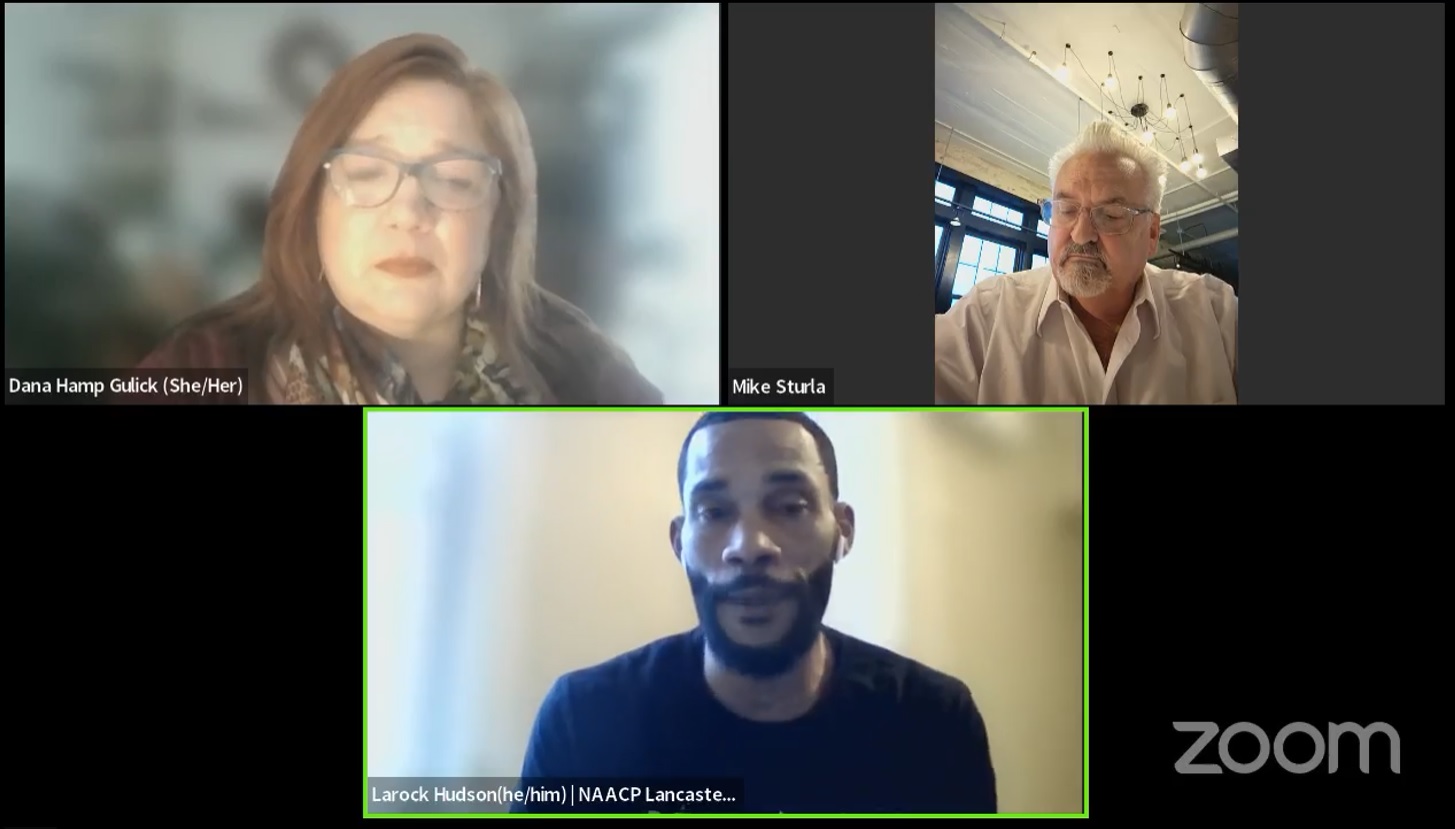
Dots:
{"x": 1079, "y": 279}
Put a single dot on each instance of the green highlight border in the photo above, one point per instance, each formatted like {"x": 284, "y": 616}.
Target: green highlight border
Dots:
{"x": 1085, "y": 591}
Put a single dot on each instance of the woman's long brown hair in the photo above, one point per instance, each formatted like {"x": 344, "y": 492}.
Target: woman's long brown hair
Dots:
{"x": 291, "y": 304}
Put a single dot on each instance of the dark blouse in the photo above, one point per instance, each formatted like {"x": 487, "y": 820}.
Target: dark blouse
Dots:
{"x": 595, "y": 370}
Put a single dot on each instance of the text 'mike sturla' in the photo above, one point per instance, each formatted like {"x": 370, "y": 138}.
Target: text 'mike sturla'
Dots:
{"x": 780, "y": 387}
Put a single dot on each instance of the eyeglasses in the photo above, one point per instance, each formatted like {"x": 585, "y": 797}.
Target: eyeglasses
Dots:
{"x": 365, "y": 178}
{"x": 1108, "y": 219}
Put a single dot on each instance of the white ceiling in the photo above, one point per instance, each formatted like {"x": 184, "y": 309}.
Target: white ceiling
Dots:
{"x": 1016, "y": 113}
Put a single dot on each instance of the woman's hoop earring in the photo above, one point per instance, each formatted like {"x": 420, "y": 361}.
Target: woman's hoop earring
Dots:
{"x": 479, "y": 284}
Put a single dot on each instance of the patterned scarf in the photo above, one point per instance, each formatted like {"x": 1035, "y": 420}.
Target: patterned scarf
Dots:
{"x": 482, "y": 377}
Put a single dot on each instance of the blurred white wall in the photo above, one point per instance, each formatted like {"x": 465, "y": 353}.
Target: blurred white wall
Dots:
{"x": 968, "y": 558}
{"x": 39, "y": 152}
{"x": 677, "y": 218}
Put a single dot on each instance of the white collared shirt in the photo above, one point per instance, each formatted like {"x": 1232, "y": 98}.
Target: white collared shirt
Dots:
{"x": 1014, "y": 340}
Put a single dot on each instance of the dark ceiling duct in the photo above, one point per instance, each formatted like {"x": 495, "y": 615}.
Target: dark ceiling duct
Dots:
{"x": 1210, "y": 47}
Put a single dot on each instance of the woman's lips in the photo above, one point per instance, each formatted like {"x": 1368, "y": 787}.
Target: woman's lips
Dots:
{"x": 406, "y": 266}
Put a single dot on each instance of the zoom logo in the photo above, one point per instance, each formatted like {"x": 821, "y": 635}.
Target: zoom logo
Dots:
{"x": 1209, "y": 732}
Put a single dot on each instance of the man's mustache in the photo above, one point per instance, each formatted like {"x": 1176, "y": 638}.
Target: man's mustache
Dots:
{"x": 774, "y": 588}
{"x": 1077, "y": 250}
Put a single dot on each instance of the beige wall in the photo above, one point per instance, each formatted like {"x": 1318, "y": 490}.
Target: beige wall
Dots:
{"x": 967, "y": 558}
{"x": 964, "y": 156}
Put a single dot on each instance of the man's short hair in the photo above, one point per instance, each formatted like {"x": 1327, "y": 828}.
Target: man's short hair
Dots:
{"x": 820, "y": 439}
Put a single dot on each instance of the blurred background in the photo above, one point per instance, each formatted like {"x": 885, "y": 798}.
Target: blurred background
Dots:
{"x": 1015, "y": 82}
{"x": 505, "y": 549}
{"x": 141, "y": 142}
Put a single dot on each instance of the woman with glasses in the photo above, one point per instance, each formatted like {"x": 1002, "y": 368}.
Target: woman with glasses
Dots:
{"x": 1098, "y": 324}
{"x": 399, "y": 254}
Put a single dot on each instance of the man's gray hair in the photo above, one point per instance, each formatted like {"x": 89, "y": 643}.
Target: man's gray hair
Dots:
{"x": 1104, "y": 137}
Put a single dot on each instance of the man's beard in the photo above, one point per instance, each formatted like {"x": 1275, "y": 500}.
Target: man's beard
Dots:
{"x": 810, "y": 597}
{"x": 1082, "y": 279}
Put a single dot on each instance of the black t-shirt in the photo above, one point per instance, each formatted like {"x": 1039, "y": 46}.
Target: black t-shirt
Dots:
{"x": 889, "y": 735}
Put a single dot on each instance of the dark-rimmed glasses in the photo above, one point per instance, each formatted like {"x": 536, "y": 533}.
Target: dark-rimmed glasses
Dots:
{"x": 367, "y": 178}
{"x": 1108, "y": 219}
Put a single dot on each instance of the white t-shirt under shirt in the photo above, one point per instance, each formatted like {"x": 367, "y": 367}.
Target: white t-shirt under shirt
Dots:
{"x": 1014, "y": 340}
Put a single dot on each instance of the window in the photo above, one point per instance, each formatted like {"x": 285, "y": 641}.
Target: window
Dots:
{"x": 973, "y": 250}
{"x": 981, "y": 259}
{"x": 997, "y": 213}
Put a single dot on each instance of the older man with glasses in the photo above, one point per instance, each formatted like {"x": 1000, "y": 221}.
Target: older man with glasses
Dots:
{"x": 1098, "y": 325}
